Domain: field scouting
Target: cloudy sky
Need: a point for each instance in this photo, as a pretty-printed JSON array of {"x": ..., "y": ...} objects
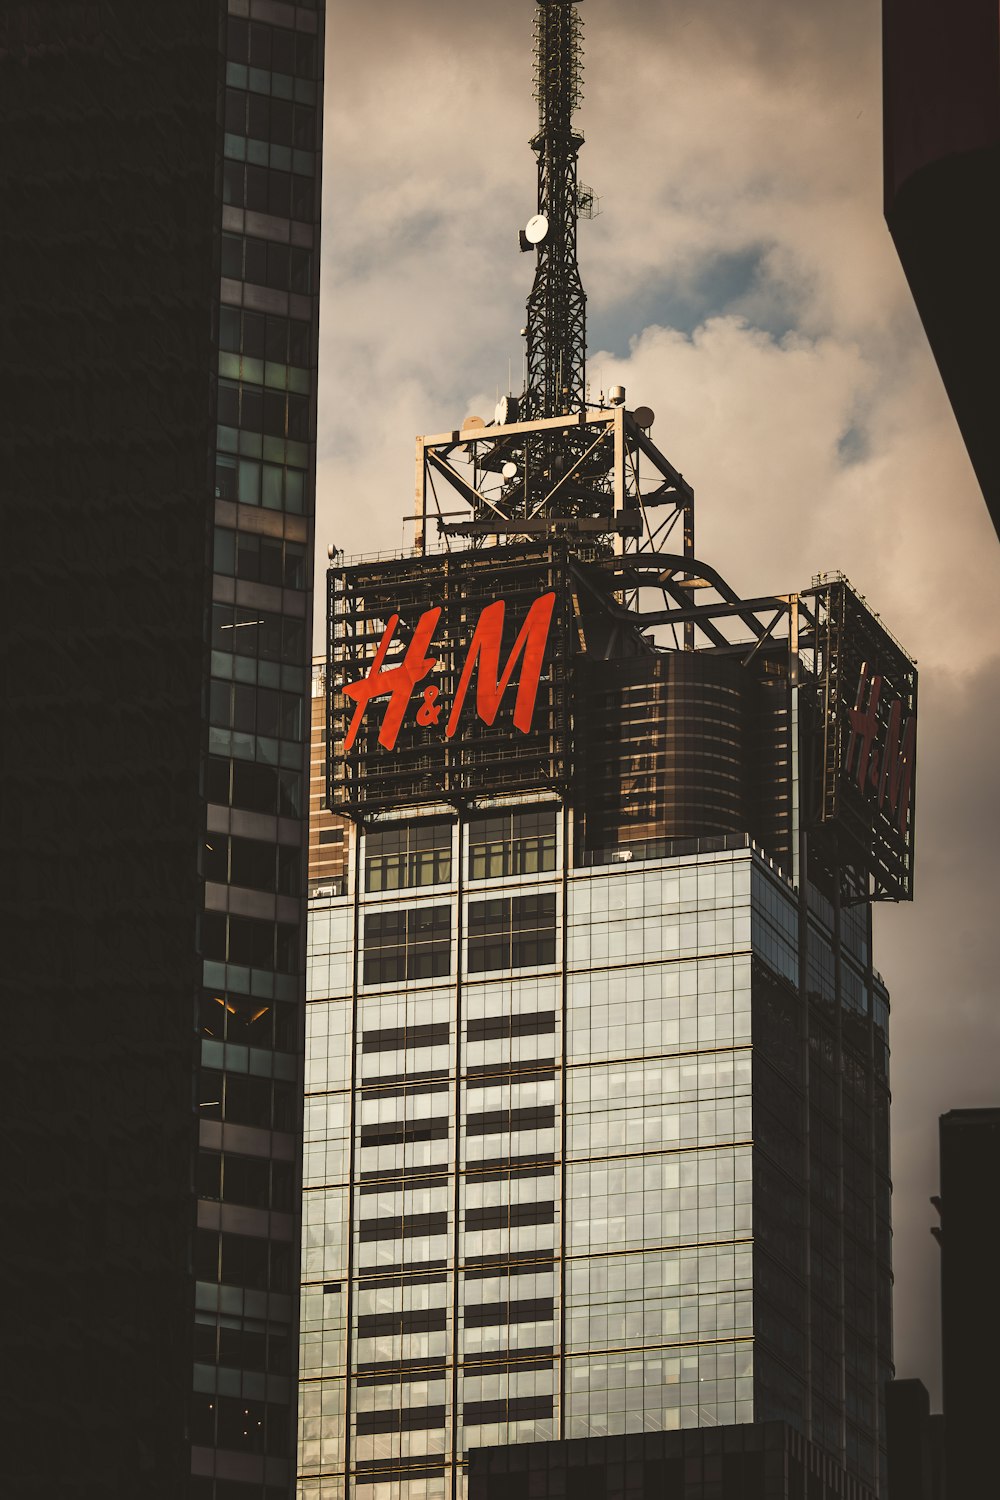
[{"x": 742, "y": 283}]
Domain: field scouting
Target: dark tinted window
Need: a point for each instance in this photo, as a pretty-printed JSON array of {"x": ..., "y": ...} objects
[
  {"x": 517, "y": 843},
  {"x": 243, "y": 1099},
  {"x": 407, "y": 854},
  {"x": 413, "y": 944},
  {"x": 258, "y": 788},
  {"x": 512, "y": 932}
]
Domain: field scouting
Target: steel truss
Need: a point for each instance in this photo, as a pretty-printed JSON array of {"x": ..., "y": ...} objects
[
  {"x": 858, "y": 828},
  {"x": 597, "y": 478},
  {"x": 828, "y": 645},
  {"x": 556, "y": 336}
]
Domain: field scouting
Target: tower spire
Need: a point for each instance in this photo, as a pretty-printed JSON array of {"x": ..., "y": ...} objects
[
  {"x": 554, "y": 463},
  {"x": 556, "y": 328}
]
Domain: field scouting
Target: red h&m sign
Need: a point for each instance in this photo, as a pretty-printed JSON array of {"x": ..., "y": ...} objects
[
  {"x": 884, "y": 765},
  {"x": 483, "y": 656}
]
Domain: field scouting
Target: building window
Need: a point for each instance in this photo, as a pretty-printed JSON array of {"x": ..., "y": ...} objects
[
  {"x": 259, "y": 559},
  {"x": 514, "y": 1409},
  {"x": 252, "y": 864},
  {"x": 512, "y": 932},
  {"x": 405, "y": 1419},
  {"x": 516, "y": 843},
  {"x": 248, "y": 1020},
  {"x": 241, "y": 1425},
  {"x": 242, "y": 1099},
  {"x": 396, "y": 1038},
  {"x": 258, "y": 788},
  {"x": 399, "y": 1227},
  {"x": 271, "y": 49},
  {"x": 255, "y": 710},
  {"x": 502, "y": 1028},
  {"x": 408, "y": 854},
  {"x": 250, "y": 942},
  {"x": 242, "y": 1260},
  {"x": 259, "y": 338},
  {"x": 253, "y": 1181},
  {"x": 246, "y": 1345},
  {"x": 240, "y": 631},
  {"x": 281, "y": 267},
  {"x": 394, "y": 1324},
  {"x": 414, "y": 944}
]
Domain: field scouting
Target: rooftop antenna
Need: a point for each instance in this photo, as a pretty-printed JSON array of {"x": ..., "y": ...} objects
[
  {"x": 551, "y": 464},
  {"x": 557, "y": 306}
]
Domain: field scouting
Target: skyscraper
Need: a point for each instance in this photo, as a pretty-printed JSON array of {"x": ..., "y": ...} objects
[
  {"x": 158, "y": 447},
  {"x": 970, "y": 1302},
  {"x": 941, "y": 91},
  {"x": 915, "y": 1442},
  {"x": 764, "y": 1460},
  {"x": 597, "y": 1098},
  {"x": 597, "y": 1131}
]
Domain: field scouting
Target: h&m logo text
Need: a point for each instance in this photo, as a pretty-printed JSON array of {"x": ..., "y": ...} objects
[
  {"x": 483, "y": 657},
  {"x": 884, "y": 769}
]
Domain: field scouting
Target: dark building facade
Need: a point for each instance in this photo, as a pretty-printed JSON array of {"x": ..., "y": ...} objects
[
  {"x": 970, "y": 1296},
  {"x": 762, "y": 1461},
  {"x": 915, "y": 1443},
  {"x": 157, "y": 442},
  {"x": 942, "y": 160}
]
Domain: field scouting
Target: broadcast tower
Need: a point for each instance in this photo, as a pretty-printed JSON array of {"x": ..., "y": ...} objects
[{"x": 597, "y": 1097}]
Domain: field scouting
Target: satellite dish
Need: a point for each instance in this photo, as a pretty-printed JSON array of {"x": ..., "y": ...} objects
[
  {"x": 472, "y": 422},
  {"x": 506, "y": 410},
  {"x": 644, "y": 417},
  {"x": 536, "y": 229},
  {"x": 509, "y": 471}
]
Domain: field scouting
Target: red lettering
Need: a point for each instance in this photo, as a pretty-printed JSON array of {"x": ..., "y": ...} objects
[
  {"x": 482, "y": 657},
  {"x": 864, "y": 726},
  {"x": 897, "y": 765},
  {"x": 484, "y": 653},
  {"x": 398, "y": 681},
  {"x": 885, "y": 771}
]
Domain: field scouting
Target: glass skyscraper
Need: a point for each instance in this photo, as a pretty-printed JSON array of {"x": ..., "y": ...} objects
[
  {"x": 256, "y": 777},
  {"x": 161, "y": 225},
  {"x": 581, "y": 1155},
  {"x": 596, "y": 1134},
  {"x": 597, "y": 1069}
]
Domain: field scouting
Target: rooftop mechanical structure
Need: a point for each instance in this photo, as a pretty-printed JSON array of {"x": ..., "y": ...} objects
[{"x": 560, "y": 488}]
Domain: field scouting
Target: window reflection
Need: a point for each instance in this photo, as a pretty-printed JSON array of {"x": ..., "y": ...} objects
[
  {"x": 515, "y": 843},
  {"x": 408, "y": 855}
]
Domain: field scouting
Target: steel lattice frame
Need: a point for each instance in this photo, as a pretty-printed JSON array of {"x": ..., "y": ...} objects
[
  {"x": 557, "y": 316},
  {"x": 615, "y": 490},
  {"x": 855, "y": 828}
]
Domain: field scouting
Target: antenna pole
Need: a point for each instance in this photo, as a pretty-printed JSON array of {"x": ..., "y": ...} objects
[
  {"x": 556, "y": 337},
  {"x": 552, "y": 466}
]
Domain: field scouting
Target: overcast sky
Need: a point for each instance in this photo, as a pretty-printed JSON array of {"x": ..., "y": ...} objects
[{"x": 742, "y": 283}]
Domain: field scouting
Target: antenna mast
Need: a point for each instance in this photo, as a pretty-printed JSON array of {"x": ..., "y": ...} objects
[
  {"x": 556, "y": 336},
  {"x": 553, "y": 463}
]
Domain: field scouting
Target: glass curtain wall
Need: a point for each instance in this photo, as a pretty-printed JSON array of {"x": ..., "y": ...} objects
[
  {"x": 256, "y": 787},
  {"x": 558, "y": 1178},
  {"x": 529, "y": 1167}
]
